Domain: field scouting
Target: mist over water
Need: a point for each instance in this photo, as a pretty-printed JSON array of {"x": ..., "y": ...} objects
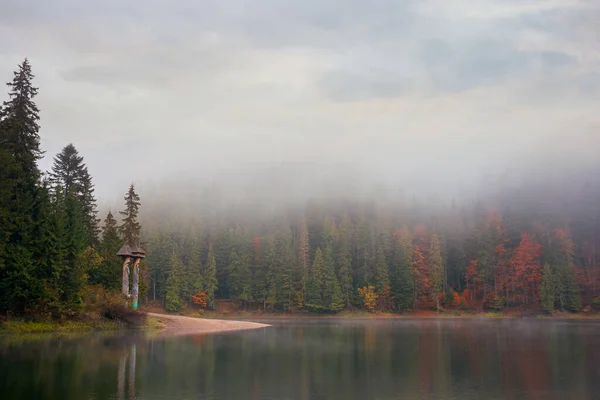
[{"x": 317, "y": 359}]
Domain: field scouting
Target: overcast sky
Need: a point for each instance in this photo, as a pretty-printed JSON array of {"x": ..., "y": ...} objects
[{"x": 427, "y": 90}]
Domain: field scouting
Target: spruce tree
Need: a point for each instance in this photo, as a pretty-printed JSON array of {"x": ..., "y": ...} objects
[
  {"x": 173, "y": 285},
  {"x": 240, "y": 277},
  {"x": 345, "y": 260},
  {"x": 314, "y": 297},
  {"x": 66, "y": 169},
  {"x": 436, "y": 270},
  {"x": 381, "y": 274},
  {"x": 71, "y": 174},
  {"x": 285, "y": 275},
  {"x": 19, "y": 122},
  {"x": 402, "y": 280},
  {"x": 130, "y": 228},
  {"x": 270, "y": 266},
  {"x": 193, "y": 270},
  {"x": 108, "y": 274},
  {"x": 333, "y": 299},
  {"x": 548, "y": 289},
  {"x": 20, "y": 287},
  {"x": 303, "y": 257},
  {"x": 210, "y": 278}
]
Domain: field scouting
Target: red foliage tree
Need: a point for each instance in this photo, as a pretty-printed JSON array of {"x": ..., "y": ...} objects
[{"x": 525, "y": 263}]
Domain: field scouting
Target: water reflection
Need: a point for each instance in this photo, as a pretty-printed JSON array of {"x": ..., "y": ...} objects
[{"x": 328, "y": 359}]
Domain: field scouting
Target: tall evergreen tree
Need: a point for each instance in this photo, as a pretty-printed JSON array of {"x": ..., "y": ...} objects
[
  {"x": 344, "y": 256},
  {"x": 381, "y": 274},
  {"x": 303, "y": 257},
  {"x": 71, "y": 174},
  {"x": 173, "y": 300},
  {"x": 67, "y": 168},
  {"x": 130, "y": 228},
  {"x": 108, "y": 274},
  {"x": 20, "y": 287},
  {"x": 548, "y": 289},
  {"x": 19, "y": 118},
  {"x": 436, "y": 269},
  {"x": 332, "y": 297},
  {"x": 314, "y": 299},
  {"x": 402, "y": 280},
  {"x": 210, "y": 278},
  {"x": 240, "y": 277}
]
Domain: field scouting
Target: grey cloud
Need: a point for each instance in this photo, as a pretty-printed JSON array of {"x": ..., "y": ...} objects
[{"x": 219, "y": 85}]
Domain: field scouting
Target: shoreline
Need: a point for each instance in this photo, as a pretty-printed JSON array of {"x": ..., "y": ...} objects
[{"x": 178, "y": 325}]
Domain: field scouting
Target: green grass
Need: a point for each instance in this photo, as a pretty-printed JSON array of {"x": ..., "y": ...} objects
[{"x": 20, "y": 326}]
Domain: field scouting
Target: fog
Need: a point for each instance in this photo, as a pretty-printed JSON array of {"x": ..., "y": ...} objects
[{"x": 291, "y": 99}]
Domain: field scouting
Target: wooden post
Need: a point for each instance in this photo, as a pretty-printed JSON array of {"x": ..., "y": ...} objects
[
  {"x": 125, "y": 285},
  {"x": 135, "y": 282}
]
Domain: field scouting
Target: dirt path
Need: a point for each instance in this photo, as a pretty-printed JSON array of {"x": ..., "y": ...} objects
[{"x": 176, "y": 325}]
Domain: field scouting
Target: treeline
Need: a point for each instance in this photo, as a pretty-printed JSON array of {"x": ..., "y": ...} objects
[
  {"x": 52, "y": 252},
  {"x": 332, "y": 255}
]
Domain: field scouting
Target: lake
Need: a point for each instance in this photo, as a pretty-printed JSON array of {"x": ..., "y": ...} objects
[{"x": 316, "y": 359}]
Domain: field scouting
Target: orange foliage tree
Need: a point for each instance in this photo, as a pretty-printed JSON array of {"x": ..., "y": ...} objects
[
  {"x": 369, "y": 296},
  {"x": 200, "y": 299},
  {"x": 525, "y": 263}
]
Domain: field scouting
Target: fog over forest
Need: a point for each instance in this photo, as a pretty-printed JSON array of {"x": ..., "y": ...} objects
[
  {"x": 296, "y": 155},
  {"x": 428, "y": 96}
]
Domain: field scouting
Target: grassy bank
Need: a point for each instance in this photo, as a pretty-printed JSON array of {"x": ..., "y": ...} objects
[{"x": 100, "y": 311}]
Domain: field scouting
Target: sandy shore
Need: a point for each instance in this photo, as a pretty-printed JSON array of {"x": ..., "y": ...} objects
[{"x": 176, "y": 325}]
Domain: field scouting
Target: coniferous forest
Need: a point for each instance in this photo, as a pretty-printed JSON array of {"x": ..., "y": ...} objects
[{"x": 533, "y": 246}]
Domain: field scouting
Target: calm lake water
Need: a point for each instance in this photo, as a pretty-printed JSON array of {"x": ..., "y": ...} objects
[{"x": 309, "y": 359}]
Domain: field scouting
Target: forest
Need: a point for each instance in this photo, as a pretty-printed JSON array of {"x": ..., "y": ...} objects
[{"x": 527, "y": 246}]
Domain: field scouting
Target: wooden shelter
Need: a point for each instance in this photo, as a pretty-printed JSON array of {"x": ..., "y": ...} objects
[{"x": 128, "y": 253}]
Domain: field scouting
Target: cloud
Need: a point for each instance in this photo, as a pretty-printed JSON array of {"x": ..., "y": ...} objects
[{"x": 420, "y": 90}]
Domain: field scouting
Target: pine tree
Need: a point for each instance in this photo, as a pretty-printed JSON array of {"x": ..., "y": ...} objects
[
  {"x": 173, "y": 285},
  {"x": 564, "y": 271},
  {"x": 314, "y": 299},
  {"x": 20, "y": 288},
  {"x": 71, "y": 174},
  {"x": 73, "y": 277},
  {"x": 436, "y": 269},
  {"x": 130, "y": 229},
  {"x": 193, "y": 270},
  {"x": 333, "y": 299},
  {"x": 381, "y": 274},
  {"x": 285, "y": 275},
  {"x": 303, "y": 257},
  {"x": 270, "y": 265},
  {"x": 19, "y": 122},
  {"x": 89, "y": 208},
  {"x": 66, "y": 169},
  {"x": 240, "y": 277},
  {"x": 402, "y": 281},
  {"x": 345, "y": 260},
  {"x": 548, "y": 289},
  {"x": 108, "y": 274},
  {"x": 210, "y": 278}
]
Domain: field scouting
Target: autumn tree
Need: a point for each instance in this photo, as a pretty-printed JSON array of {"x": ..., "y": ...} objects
[
  {"x": 528, "y": 270},
  {"x": 369, "y": 296}
]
